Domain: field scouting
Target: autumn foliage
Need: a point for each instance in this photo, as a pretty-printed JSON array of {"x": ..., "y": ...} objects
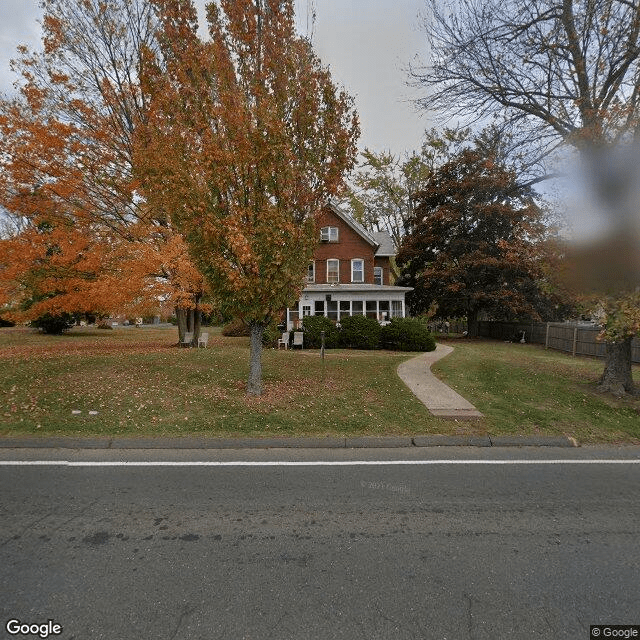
[
  {"x": 246, "y": 137},
  {"x": 475, "y": 243},
  {"x": 81, "y": 242}
]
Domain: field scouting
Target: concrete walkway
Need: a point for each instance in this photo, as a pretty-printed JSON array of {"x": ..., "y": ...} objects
[{"x": 441, "y": 400}]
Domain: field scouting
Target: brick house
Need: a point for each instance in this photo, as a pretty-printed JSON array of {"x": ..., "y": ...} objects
[{"x": 350, "y": 273}]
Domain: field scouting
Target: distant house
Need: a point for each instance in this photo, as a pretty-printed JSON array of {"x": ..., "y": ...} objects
[{"x": 350, "y": 273}]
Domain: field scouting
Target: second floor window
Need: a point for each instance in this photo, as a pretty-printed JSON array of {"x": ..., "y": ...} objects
[
  {"x": 333, "y": 270},
  {"x": 357, "y": 270},
  {"x": 311, "y": 273},
  {"x": 377, "y": 275},
  {"x": 329, "y": 234}
]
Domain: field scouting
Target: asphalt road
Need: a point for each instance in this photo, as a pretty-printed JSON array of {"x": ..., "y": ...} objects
[{"x": 449, "y": 551}]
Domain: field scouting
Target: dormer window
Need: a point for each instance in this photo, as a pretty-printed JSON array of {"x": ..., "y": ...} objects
[{"x": 329, "y": 234}]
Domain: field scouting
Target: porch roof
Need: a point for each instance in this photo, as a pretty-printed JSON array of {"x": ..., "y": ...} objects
[{"x": 354, "y": 288}]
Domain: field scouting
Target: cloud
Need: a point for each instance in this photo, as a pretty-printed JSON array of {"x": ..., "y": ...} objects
[
  {"x": 367, "y": 44},
  {"x": 19, "y": 25}
]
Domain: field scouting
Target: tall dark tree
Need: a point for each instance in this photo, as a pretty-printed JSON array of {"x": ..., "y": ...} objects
[
  {"x": 475, "y": 244},
  {"x": 560, "y": 73}
]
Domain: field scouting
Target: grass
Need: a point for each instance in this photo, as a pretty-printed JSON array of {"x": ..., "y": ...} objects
[
  {"x": 529, "y": 390},
  {"x": 135, "y": 382},
  {"x": 140, "y": 384}
]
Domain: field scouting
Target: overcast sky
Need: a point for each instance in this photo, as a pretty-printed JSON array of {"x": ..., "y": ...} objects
[{"x": 367, "y": 44}]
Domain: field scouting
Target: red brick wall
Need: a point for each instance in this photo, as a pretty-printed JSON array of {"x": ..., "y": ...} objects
[{"x": 350, "y": 245}]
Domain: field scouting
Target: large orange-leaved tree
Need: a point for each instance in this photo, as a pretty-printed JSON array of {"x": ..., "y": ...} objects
[
  {"x": 246, "y": 137},
  {"x": 66, "y": 170}
]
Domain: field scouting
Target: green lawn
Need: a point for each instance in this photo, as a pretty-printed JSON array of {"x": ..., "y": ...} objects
[
  {"x": 140, "y": 384},
  {"x": 136, "y": 382},
  {"x": 527, "y": 389}
]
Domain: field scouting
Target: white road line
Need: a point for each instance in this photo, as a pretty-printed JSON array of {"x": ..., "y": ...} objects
[{"x": 289, "y": 463}]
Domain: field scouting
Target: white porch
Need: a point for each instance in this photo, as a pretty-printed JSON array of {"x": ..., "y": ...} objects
[{"x": 337, "y": 301}]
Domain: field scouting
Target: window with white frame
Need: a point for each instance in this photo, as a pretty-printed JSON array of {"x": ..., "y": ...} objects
[
  {"x": 329, "y": 234},
  {"x": 311, "y": 273},
  {"x": 333, "y": 270},
  {"x": 396, "y": 308},
  {"x": 377, "y": 275},
  {"x": 357, "y": 270}
]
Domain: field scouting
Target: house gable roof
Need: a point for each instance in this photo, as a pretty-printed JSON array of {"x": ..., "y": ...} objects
[
  {"x": 381, "y": 241},
  {"x": 385, "y": 244},
  {"x": 356, "y": 226}
]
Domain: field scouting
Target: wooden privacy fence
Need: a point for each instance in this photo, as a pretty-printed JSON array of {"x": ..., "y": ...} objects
[{"x": 575, "y": 338}]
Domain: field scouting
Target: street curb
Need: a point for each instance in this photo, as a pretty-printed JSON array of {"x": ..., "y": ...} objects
[
  {"x": 379, "y": 442},
  {"x": 55, "y": 443},
  {"x": 364, "y": 442},
  {"x": 533, "y": 441},
  {"x": 226, "y": 443},
  {"x": 451, "y": 441}
]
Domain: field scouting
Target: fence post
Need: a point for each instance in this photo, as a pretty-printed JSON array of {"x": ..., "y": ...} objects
[
  {"x": 322, "y": 344},
  {"x": 575, "y": 340},
  {"x": 546, "y": 338}
]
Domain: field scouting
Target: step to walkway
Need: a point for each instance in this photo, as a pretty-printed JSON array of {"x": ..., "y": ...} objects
[{"x": 441, "y": 400}]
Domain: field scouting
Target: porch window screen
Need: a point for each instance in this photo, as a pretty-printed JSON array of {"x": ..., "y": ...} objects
[
  {"x": 372, "y": 309},
  {"x": 332, "y": 310},
  {"x": 383, "y": 306},
  {"x": 396, "y": 308},
  {"x": 356, "y": 308},
  {"x": 319, "y": 308}
]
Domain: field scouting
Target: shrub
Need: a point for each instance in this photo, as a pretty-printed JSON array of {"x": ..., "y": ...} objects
[
  {"x": 240, "y": 329},
  {"x": 271, "y": 335},
  {"x": 313, "y": 325},
  {"x": 104, "y": 325},
  {"x": 53, "y": 324},
  {"x": 407, "y": 334},
  {"x": 360, "y": 332},
  {"x": 6, "y": 323},
  {"x": 236, "y": 329}
]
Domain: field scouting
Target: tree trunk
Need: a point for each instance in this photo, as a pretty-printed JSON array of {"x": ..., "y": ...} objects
[
  {"x": 472, "y": 323},
  {"x": 197, "y": 321},
  {"x": 254, "y": 384},
  {"x": 617, "y": 377},
  {"x": 181, "y": 317},
  {"x": 189, "y": 320}
]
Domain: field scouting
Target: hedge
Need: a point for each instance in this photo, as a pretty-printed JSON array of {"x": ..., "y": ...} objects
[
  {"x": 360, "y": 332},
  {"x": 407, "y": 334},
  {"x": 313, "y": 326}
]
